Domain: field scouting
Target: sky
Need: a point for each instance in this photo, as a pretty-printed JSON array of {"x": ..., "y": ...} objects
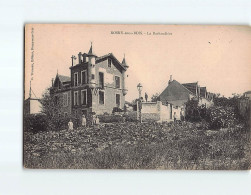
[{"x": 218, "y": 57}]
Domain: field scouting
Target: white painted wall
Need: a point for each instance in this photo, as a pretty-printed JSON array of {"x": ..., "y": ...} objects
[{"x": 35, "y": 107}]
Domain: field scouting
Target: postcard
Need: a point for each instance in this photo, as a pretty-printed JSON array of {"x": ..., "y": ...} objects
[{"x": 110, "y": 96}]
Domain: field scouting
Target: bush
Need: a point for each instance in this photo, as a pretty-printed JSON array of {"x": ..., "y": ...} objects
[
  {"x": 116, "y": 109},
  {"x": 193, "y": 110},
  {"x": 40, "y": 122},
  {"x": 220, "y": 117},
  {"x": 111, "y": 118},
  {"x": 58, "y": 123},
  {"x": 35, "y": 123},
  {"x": 131, "y": 116}
]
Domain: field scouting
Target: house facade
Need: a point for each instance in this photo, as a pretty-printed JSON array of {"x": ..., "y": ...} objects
[
  {"x": 178, "y": 94},
  {"x": 96, "y": 84},
  {"x": 32, "y": 106}
]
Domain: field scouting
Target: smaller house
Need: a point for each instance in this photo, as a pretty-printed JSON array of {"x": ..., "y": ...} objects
[
  {"x": 178, "y": 94},
  {"x": 32, "y": 106},
  {"x": 157, "y": 111}
]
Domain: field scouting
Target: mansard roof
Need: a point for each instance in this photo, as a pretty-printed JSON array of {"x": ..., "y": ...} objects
[
  {"x": 191, "y": 86},
  {"x": 63, "y": 78}
]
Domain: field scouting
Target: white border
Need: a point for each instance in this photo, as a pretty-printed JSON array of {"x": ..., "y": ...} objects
[{"x": 16, "y": 180}]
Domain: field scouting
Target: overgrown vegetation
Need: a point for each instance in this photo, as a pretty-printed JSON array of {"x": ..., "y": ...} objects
[
  {"x": 146, "y": 146},
  {"x": 223, "y": 114}
]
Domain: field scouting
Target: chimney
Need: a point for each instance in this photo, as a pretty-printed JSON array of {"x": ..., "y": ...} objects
[
  {"x": 171, "y": 79},
  {"x": 84, "y": 58},
  {"x": 79, "y": 57}
]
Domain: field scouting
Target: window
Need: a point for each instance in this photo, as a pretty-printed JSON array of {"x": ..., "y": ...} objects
[
  {"x": 101, "y": 97},
  {"x": 75, "y": 98},
  {"x": 93, "y": 76},
  {"x": 83, "y": 77},
  {"x": 75, "y": 79},
  {"x": 101, "y": 80},
  {"x": 56, "y": 100},
  {"x": 65, "y": 99},
  {"x": 84, "y": 97},
  {"x": 109, "y": 63},
  {"x": 118, "y": 100},
  {"x": 117, "y": 82}
]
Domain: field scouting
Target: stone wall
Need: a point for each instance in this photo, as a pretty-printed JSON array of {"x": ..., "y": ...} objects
[{"x": 156, "y": 111}]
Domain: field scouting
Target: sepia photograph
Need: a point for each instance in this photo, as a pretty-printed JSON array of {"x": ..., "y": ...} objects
[{"x": 120, "y": 96}]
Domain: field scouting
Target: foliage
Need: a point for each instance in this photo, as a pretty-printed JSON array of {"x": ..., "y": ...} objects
[
  {"x": 116, "y": 109},
  {"x": 193, "y": 110},
  {"x": 39, "y": 122},
  {"x": 221, "y": 117},
  {"x": 131, "y": 116},
  {"x": 226, "y": 102},
  {"x": 111, "y": 118},
  {"x": 134, "y": 102},
  {"x": 155, "y": 97},
  {"x": 51, "y": 107},
  {"x": 35, "y": 123},
  {"x": 140, "y": 146}
]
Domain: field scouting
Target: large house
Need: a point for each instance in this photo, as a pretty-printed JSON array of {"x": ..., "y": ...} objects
[
  {"x": 178, "y": 94},
  {"x": 96, "y": 84}
]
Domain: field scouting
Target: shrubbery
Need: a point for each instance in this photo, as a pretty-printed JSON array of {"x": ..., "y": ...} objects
[
  {"x": 116, "y": 109},
  {"x": 222, "y": 114},
  {"x": 140, "y": 146},
  {"x": 35, "y": 123},
  {"x": 220, "y": 117},
  {"x": 194, "y": 112},
  {"x": 111, "y": 118},
  {"x": 40, "y": 122}
]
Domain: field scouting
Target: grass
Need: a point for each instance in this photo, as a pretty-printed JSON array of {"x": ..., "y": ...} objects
[{"x": 133, "y": 145}]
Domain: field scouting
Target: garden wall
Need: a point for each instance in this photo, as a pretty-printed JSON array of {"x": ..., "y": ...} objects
[{"x": 156, "y": 111}]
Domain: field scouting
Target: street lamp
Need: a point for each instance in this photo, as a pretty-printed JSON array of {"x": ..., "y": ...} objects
[{"x": 139, "y": 87}]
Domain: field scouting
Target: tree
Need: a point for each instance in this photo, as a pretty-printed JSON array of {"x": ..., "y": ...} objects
[
  {"x": 193, "y": 110},
  {"x": 155, "y": 97},
  {"x": 51, "y": 107},
  {"x": 51, "y": 104},
  {"x": 227, "y": 102}
]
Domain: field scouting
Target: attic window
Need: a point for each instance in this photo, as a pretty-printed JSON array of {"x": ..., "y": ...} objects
[{"x": 109, "y": 63}]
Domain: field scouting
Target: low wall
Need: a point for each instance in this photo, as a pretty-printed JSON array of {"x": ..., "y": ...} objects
[
  {"x": 150, "y": 117},
  {"x": 156, "y": 111}
]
